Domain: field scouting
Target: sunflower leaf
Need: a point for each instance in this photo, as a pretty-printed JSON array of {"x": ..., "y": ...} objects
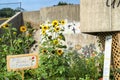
[
  {"x": 63, "y": 37},
  {"x": 62, "y": 46},
  {"x": 14, "y": 29}
]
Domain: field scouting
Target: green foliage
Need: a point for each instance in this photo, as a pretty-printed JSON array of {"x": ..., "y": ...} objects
[
  {"x": 8, "y": 12},
  {"x": 53, "y": 59},
  {"x": 80, "y": 66},
  {"x": 11, "y": 43},
  {"x": 61, "y": 3}
]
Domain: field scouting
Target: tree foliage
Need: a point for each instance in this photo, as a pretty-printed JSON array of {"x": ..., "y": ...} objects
[
  {"x": 8, "y": 12},
  {"x": 62, "y": 3}
]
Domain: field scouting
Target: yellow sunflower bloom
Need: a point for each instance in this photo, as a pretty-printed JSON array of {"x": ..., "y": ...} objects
[
  {"x": 5, "y": 25},
  {"x": 43, "y": 32},
  {"x": 44, "y": 51},
  {"x": 62, "y": 22},
  {"x": 57, "y": 29},
  {"x": 55, "y": 42},
  {"x": 55, "y": 23},
  {"x": 59, "y": 52},
  {"x": 23, "y": 28},
  {"x": 44, "y": 27}
]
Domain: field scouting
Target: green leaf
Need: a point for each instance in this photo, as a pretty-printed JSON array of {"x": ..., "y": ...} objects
[
  {"x": 62, "y": 46},
  {"x": 14, "y": 29},
  {"x": 11, "y": 49},
  {"x": 55, "y": 61}
]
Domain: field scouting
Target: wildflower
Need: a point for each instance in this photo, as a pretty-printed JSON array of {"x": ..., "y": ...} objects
[
  {"x": 5, "y": 25},
  {"x": 55, "y": 42},
  {"x": 59, "y": 52},
  {"x": 44, "y": 51},
  {"x": 43, "y": 32},
  {"x": 49, "y": 37},
  {"x": 57, "y": 29},
  {"x": 55, "y": 23},
  {"x": 41, "y": 26},
  {"x": 44, "y": 27},
  {"x": 62, "y": 22},
  {"x": 23, "y": 28}
]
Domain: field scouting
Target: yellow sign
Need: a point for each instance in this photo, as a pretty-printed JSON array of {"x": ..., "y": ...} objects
[{"x": 22, "y": 62}]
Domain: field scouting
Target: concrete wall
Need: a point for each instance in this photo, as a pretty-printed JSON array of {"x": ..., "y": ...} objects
[
  {"x": 74, "y": 38},
  {"x": 33, "y": 17},
  {"x": 16, "y": 20},
  {"x": 1, "y": 21},
  {"x": 100, "y": 15},
  {"x": 69, "y": 12}
]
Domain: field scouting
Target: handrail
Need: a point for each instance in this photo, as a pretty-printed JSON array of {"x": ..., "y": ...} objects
[{"x": 7, "y": 21}]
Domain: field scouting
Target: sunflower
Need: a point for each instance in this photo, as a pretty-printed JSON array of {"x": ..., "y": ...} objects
[
  {"x": 62, "y": 22},
  {"x": 50, "y": 37},
  {"x": 5, "y": 25},
  {"x": 55, "y": 23},
  {"x": 57, "y": 29},
  {"x": 59, "y": 52},
  {"x": 44, "y": 51},
  {"x": 43, "y": 32},
  {"x": 23, "y": 28},
  {"x": 55, "y": 42},
  {"x": 44, "y": 27}
]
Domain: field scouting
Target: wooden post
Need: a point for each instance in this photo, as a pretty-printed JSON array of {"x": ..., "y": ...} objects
[{"x": 22, "y": 74}]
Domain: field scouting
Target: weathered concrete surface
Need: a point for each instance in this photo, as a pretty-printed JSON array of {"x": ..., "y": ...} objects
[
  {"x": 96, "y": 16},
  {"x": 70, "y": 12},
  {"x": 16, "y": 20},
  {"x": 33, "y": 17},
  {"x": 1, "y": 21}
]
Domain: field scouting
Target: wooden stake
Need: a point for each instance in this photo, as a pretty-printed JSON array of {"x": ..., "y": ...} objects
[{"x": 22, "y": 74}]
